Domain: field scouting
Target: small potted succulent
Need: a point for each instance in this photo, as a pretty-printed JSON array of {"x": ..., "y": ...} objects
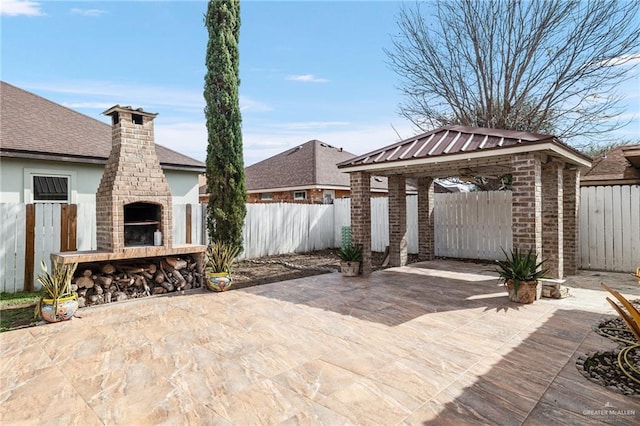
[
  {"x": 350, "y": 258},
  {"x": 220, "y": 258},
  {"x": 520, "y": 273},
  {"x": 57, "y": 301}
]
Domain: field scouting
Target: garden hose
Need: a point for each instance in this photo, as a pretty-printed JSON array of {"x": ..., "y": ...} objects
[{"x": 623, "y": 355}]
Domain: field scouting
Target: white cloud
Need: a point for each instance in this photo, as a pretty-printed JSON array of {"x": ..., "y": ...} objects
[
  {"x": 187, "y": 138},
  {"x": 105, "y": 92},
  {"x": 262, "y": 143},
  {"x": 88, "y": 105},
  {"x": 190, "y": 138},
  {"x": 99, "y": 94},
  {"x": 307, "y": 78},
  {"x": 18, "y": 7},
  {"x": 309, "y": 125},
  {"x": 632, "y": 59},
  {"x": 88, "y": 12},
  {"x": 249, "y": 104}
]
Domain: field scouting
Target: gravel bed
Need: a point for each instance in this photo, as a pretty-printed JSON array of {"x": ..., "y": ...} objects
[{"x": 603, "y": 367}]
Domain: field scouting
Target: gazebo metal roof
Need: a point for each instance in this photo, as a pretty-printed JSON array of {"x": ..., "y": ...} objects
[{"x": 449, "y": 148}]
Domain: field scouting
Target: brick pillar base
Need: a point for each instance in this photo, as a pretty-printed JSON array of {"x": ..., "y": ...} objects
[
  {"x": 397, "y": 221},
  {"x": 361, "y": 216},
  {"x": 426, "y": 247}
]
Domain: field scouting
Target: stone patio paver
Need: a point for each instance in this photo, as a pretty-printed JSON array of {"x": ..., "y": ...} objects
[{"x": 435, "y": 342}]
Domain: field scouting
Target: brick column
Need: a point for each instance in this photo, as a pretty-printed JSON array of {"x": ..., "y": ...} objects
[
  {"x": 552, "y": 222},
  {"x": 526, "y": 206},
  {"x": 397, "y": 221},
  {"x": 571, "y": 207},
  {"x": 361, "y": 216},
  {"x": 426, "y": 247}
]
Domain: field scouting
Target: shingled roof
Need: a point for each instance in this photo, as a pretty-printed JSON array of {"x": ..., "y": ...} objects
[
  {"x": 34, "y": 127},
  {"x": 615, "y": 167},
  {"x": 451, "y": 143},
  {"x": 311, "y": 164}
]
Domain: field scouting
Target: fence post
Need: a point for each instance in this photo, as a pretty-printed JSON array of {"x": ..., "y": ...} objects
[
  {"x": 188, "y": 225},
  {"x": 29, "y": 246},
  {"x": 69, "y": 227}
]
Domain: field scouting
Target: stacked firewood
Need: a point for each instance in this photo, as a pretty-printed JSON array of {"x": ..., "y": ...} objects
[{"x": 96, "y": 284}]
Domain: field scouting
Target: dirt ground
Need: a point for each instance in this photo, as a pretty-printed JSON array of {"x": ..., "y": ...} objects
[{"x": 291, "y": 266}]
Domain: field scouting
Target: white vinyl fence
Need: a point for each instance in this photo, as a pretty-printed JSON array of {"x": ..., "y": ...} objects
[{"x": 610, "y": 227}]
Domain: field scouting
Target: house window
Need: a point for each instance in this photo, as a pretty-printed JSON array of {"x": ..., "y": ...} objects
[
  {"x": 50, "y": 188},
  {"x": 266, "y": 196},
  {"x": 300, "y": 195}
]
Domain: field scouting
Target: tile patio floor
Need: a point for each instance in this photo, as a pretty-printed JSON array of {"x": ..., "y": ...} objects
[{"x": 431, "y": 343}]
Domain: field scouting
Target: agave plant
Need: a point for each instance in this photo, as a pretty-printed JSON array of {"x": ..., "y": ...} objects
[
  {"x": 350, "y": 253},
  {"x": 55, "y": 284},
  {"x": 520, "y": 267},
  {"x": 220, "y": 257}
]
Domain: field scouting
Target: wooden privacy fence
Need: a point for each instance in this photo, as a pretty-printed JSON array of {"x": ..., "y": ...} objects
[
  {"x": 31, "y": 232},
  {"x": 610, "y": 227},
  {"x": 473, "y": 225},
  {"x": 287, "y": 228}
]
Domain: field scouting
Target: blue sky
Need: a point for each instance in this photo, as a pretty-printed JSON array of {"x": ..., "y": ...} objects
[{"x": 309, "y": 70}]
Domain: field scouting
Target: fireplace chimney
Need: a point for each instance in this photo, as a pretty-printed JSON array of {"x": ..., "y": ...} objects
[{"x": 134, "y": 200}]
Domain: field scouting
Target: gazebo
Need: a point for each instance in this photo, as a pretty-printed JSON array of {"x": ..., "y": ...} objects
[{"x": 545, "y": 188}]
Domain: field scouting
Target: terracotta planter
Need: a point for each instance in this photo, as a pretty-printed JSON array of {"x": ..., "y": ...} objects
[
  {"x": 67, "y": 306},
  {"x": 528, "y": 291},
  {"x": 218, "y": 281},
  {"x": 350, "y": 269}
]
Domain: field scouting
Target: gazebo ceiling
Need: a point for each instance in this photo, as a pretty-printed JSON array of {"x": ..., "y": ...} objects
[{"x": 461, "y": 150}]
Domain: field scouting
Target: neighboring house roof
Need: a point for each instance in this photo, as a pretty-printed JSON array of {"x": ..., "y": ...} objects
[
  {"x": 456, "y": 142},
  {"x": 620, "y": 166},
  {"x": 34, "y": 127},
  {"x": 312, "y": 164}
]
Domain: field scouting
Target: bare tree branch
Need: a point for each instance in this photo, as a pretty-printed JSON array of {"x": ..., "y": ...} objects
[{"x": 544, "y": 66}]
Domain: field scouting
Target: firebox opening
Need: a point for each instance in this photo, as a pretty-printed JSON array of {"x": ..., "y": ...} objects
[
  {"x": 137, "y": 118},
  {"x": 141, "y": 220}
]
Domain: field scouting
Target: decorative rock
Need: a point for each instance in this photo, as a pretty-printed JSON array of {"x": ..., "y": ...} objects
[
  {"x": 98, "y": 290},
  {"x": 82, "y": 302}
]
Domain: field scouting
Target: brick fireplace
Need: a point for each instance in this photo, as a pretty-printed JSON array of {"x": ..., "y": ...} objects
[
  {"x": 133, "y": 199},
  {"x": 134, "y": 206}
]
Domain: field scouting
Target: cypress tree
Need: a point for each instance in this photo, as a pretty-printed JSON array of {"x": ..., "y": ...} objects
[{"x": 225, "y": 166}]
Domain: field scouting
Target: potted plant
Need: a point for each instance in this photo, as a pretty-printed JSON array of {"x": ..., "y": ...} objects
[
  {"x": 350, "y": 258},
  {"x": 219, "y": 262},
  {"x": 57, "y": 301},
  {"x": 520, "y": 272}
]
